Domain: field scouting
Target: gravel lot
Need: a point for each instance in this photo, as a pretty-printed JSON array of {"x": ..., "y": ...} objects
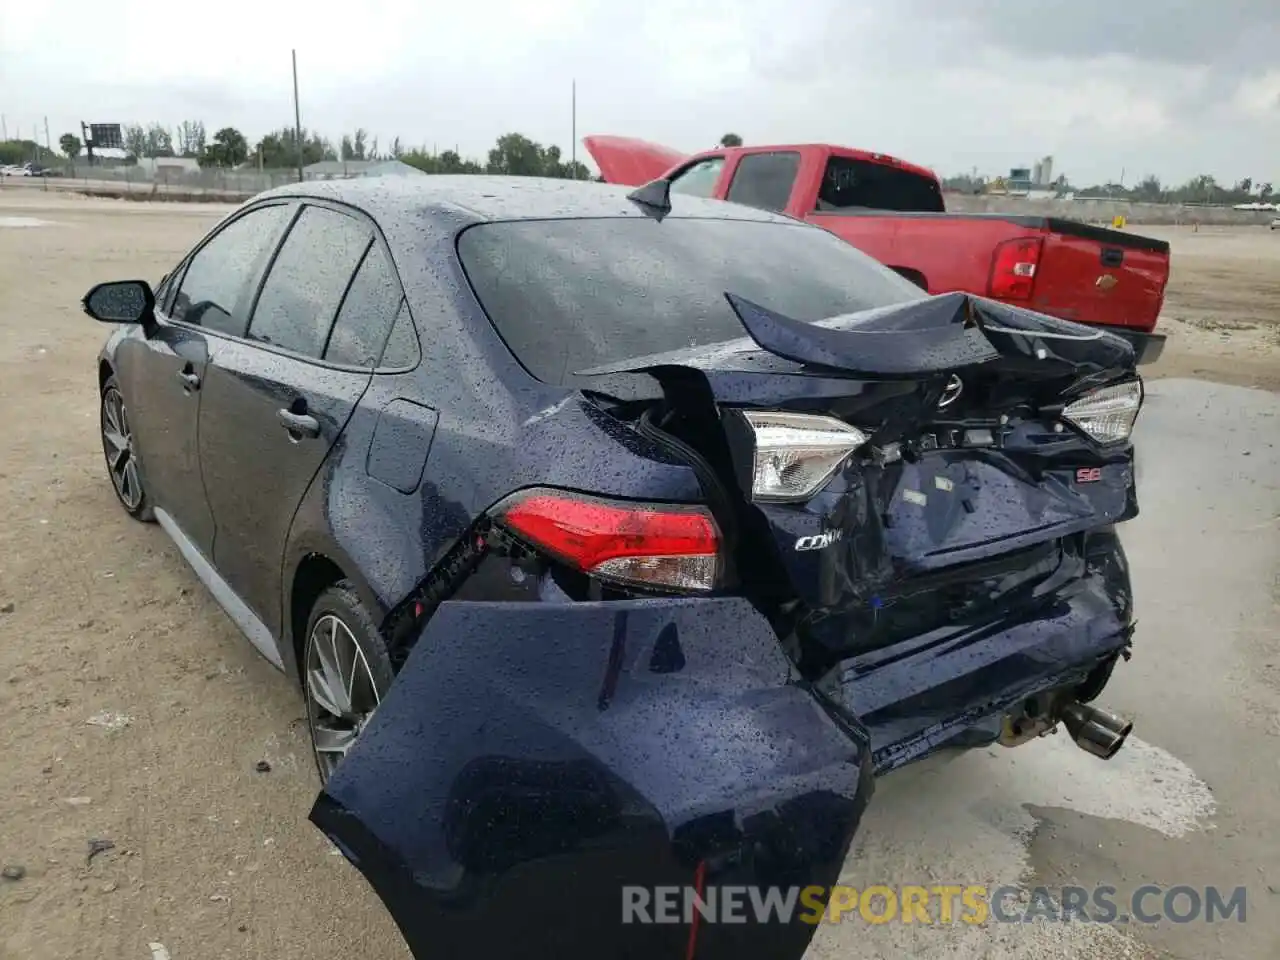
[{"x": 134, "y": 712}]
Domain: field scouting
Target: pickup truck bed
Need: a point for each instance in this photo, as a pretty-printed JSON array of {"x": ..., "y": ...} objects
[{"x": 894, "y": 211}]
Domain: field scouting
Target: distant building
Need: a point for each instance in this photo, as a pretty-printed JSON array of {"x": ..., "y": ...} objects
[
  {"x": 160, "y": 168},
  {"x": 100, "y": 154},
  {"x": 1019, "y": 180},
  {"x": 1046, "y": 172},
  {"x": 345, "y": 169}
]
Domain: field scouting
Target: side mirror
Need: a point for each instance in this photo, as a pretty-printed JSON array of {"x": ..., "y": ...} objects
[{"x": 121, "y": 301}]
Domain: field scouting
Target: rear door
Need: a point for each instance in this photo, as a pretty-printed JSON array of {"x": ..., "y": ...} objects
[{"x": 277, "y": 399}]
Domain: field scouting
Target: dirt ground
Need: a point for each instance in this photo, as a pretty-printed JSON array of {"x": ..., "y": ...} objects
[
  {"x": 133, "y": 711},
  {"x": 1222, "y": 307}
]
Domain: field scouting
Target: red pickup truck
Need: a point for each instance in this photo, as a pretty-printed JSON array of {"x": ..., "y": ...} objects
[{"x": 894, "y": 211}]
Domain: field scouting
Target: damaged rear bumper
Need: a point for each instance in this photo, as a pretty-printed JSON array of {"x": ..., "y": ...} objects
[
  {"x": 534, "y": 759},
  {"x": 959, "y": 680}
]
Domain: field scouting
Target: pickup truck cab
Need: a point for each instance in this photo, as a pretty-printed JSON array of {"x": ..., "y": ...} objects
[{"x": 894, "y": 211}]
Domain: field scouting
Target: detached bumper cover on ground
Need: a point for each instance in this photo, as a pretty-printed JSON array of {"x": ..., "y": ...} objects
[{"x": 532, "y": 759}]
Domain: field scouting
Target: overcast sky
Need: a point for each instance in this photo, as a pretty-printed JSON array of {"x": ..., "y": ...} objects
[{"x": 1171, "y": 87}]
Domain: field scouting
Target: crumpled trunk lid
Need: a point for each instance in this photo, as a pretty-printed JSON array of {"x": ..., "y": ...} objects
[{"x": 968, "y": 460}]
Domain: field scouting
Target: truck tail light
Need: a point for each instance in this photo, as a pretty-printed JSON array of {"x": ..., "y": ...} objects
[
  {"x": 664, "y": 546},
  {"x": 1013, "y": 269}
]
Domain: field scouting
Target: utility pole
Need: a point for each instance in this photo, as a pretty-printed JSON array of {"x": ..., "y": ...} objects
[
  {"x": 47, "y": 146},
  {"x": 4, "y": 128},
  {"x": 297, "y": 114},
  {"x": 573, "y": 135}
]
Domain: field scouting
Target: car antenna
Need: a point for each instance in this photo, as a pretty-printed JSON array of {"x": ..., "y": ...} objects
[{"x": 654, "y": 197}]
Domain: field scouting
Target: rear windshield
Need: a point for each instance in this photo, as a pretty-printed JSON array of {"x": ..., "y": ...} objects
[
  {"x": 568, "y": 295},
  {"x": 876, "y": 186}
]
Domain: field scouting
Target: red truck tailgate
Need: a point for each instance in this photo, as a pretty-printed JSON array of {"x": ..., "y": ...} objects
[{"x": 1096, "y": 275}]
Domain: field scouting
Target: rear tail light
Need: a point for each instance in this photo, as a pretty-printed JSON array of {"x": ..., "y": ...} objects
[
  {"x": 1108, "y": 413},
  {"x": 795, "y": 454},
  {"x": 1013, "y": 270},
  {"x": 653, "y": 545}
]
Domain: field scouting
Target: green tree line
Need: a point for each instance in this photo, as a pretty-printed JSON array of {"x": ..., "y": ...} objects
[{"x": 228, "y": 148}]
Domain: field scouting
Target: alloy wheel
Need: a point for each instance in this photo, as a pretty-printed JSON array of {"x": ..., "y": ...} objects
[
  {"x": 342, "y": 694},
  {"x": 117, "y": 445}
]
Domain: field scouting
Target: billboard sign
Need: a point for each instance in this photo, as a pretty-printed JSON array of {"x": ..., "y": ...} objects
[{"x": 106, "y": 136}]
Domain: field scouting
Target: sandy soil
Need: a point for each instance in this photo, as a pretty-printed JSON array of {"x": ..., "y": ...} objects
[
  {"x": 133, "y": 711},
  {"x": 1222, "y": 307},
  {"x": 211, "y": 858}
]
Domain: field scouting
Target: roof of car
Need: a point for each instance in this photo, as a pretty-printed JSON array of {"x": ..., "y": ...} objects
[{"x": 487, "y": 198}]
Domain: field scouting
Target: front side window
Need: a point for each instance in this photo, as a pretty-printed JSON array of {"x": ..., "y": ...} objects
[
  {"x": 765, "y": 180},
  {"x": 219, "y": 272},
  {"x": 700, "y": 179},
  {"x": 305, "y": 285}
]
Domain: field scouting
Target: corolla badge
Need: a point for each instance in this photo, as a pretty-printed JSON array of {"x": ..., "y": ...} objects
[
  {"x": 820, "y": 540},
  {"x": 951, "y": 392},
  {"x": 1106, "y": 281}
]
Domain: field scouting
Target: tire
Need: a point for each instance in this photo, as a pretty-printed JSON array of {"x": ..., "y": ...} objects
[
  {"x": 120, "y": 451},
  {"x": 342, "y": 637}
]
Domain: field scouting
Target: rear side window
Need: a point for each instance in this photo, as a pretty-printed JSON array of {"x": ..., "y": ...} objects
[
  {"x": 402, "y": 346},
  {"x": 765, "y": 180},
  {"x": 877, "y": 186},
  {"x": 219, "y": 272},
  {"x": 569, "y": 295},
  {"x": 700, "y": 179},
  {"x": 367, "y": 312},
  {"x": 307, "y": 281}
]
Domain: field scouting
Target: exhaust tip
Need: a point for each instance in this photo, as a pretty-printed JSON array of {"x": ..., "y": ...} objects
[{"x": 1096, "y": 731}]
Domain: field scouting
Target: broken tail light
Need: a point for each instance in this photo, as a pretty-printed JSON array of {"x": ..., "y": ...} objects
[
  {"x": 794, "y": 455},
  {"x": 662, "y": 546},
  {"x": 1107, "y": 414},
  {"x": 1013, "y": 269}
]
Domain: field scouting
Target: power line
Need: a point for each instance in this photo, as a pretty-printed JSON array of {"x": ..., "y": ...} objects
[{"x": 297, "y": 114}]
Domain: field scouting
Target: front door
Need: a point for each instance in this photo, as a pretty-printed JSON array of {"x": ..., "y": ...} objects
[
  {"x": 167, "y": 384},
  {"x": 273, "y": 406}
]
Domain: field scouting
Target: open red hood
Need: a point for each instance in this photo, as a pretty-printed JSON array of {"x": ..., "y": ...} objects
[{"x": 631, "y": 162}]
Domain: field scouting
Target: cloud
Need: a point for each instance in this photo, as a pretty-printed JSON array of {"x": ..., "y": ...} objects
[
  {"x": 1145, "y": 86},
  {"x": 1258, "y": 98},
  {"x": 1233, "y": 34}
]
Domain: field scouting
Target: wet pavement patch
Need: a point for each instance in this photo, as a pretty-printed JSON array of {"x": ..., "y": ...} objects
[{"x": 24, "y": 222}]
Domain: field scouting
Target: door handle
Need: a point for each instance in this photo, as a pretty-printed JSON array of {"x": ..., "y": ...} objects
[
  {"x": 189, "y": 381},
  {"x": 298, "y": 424}
]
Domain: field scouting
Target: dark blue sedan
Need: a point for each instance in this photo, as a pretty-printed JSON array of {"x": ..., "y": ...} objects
[{"x": 619, "y": 541}]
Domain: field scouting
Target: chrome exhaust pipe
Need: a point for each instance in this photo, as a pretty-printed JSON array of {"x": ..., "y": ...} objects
[{"x": 1095, "y": 731}]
